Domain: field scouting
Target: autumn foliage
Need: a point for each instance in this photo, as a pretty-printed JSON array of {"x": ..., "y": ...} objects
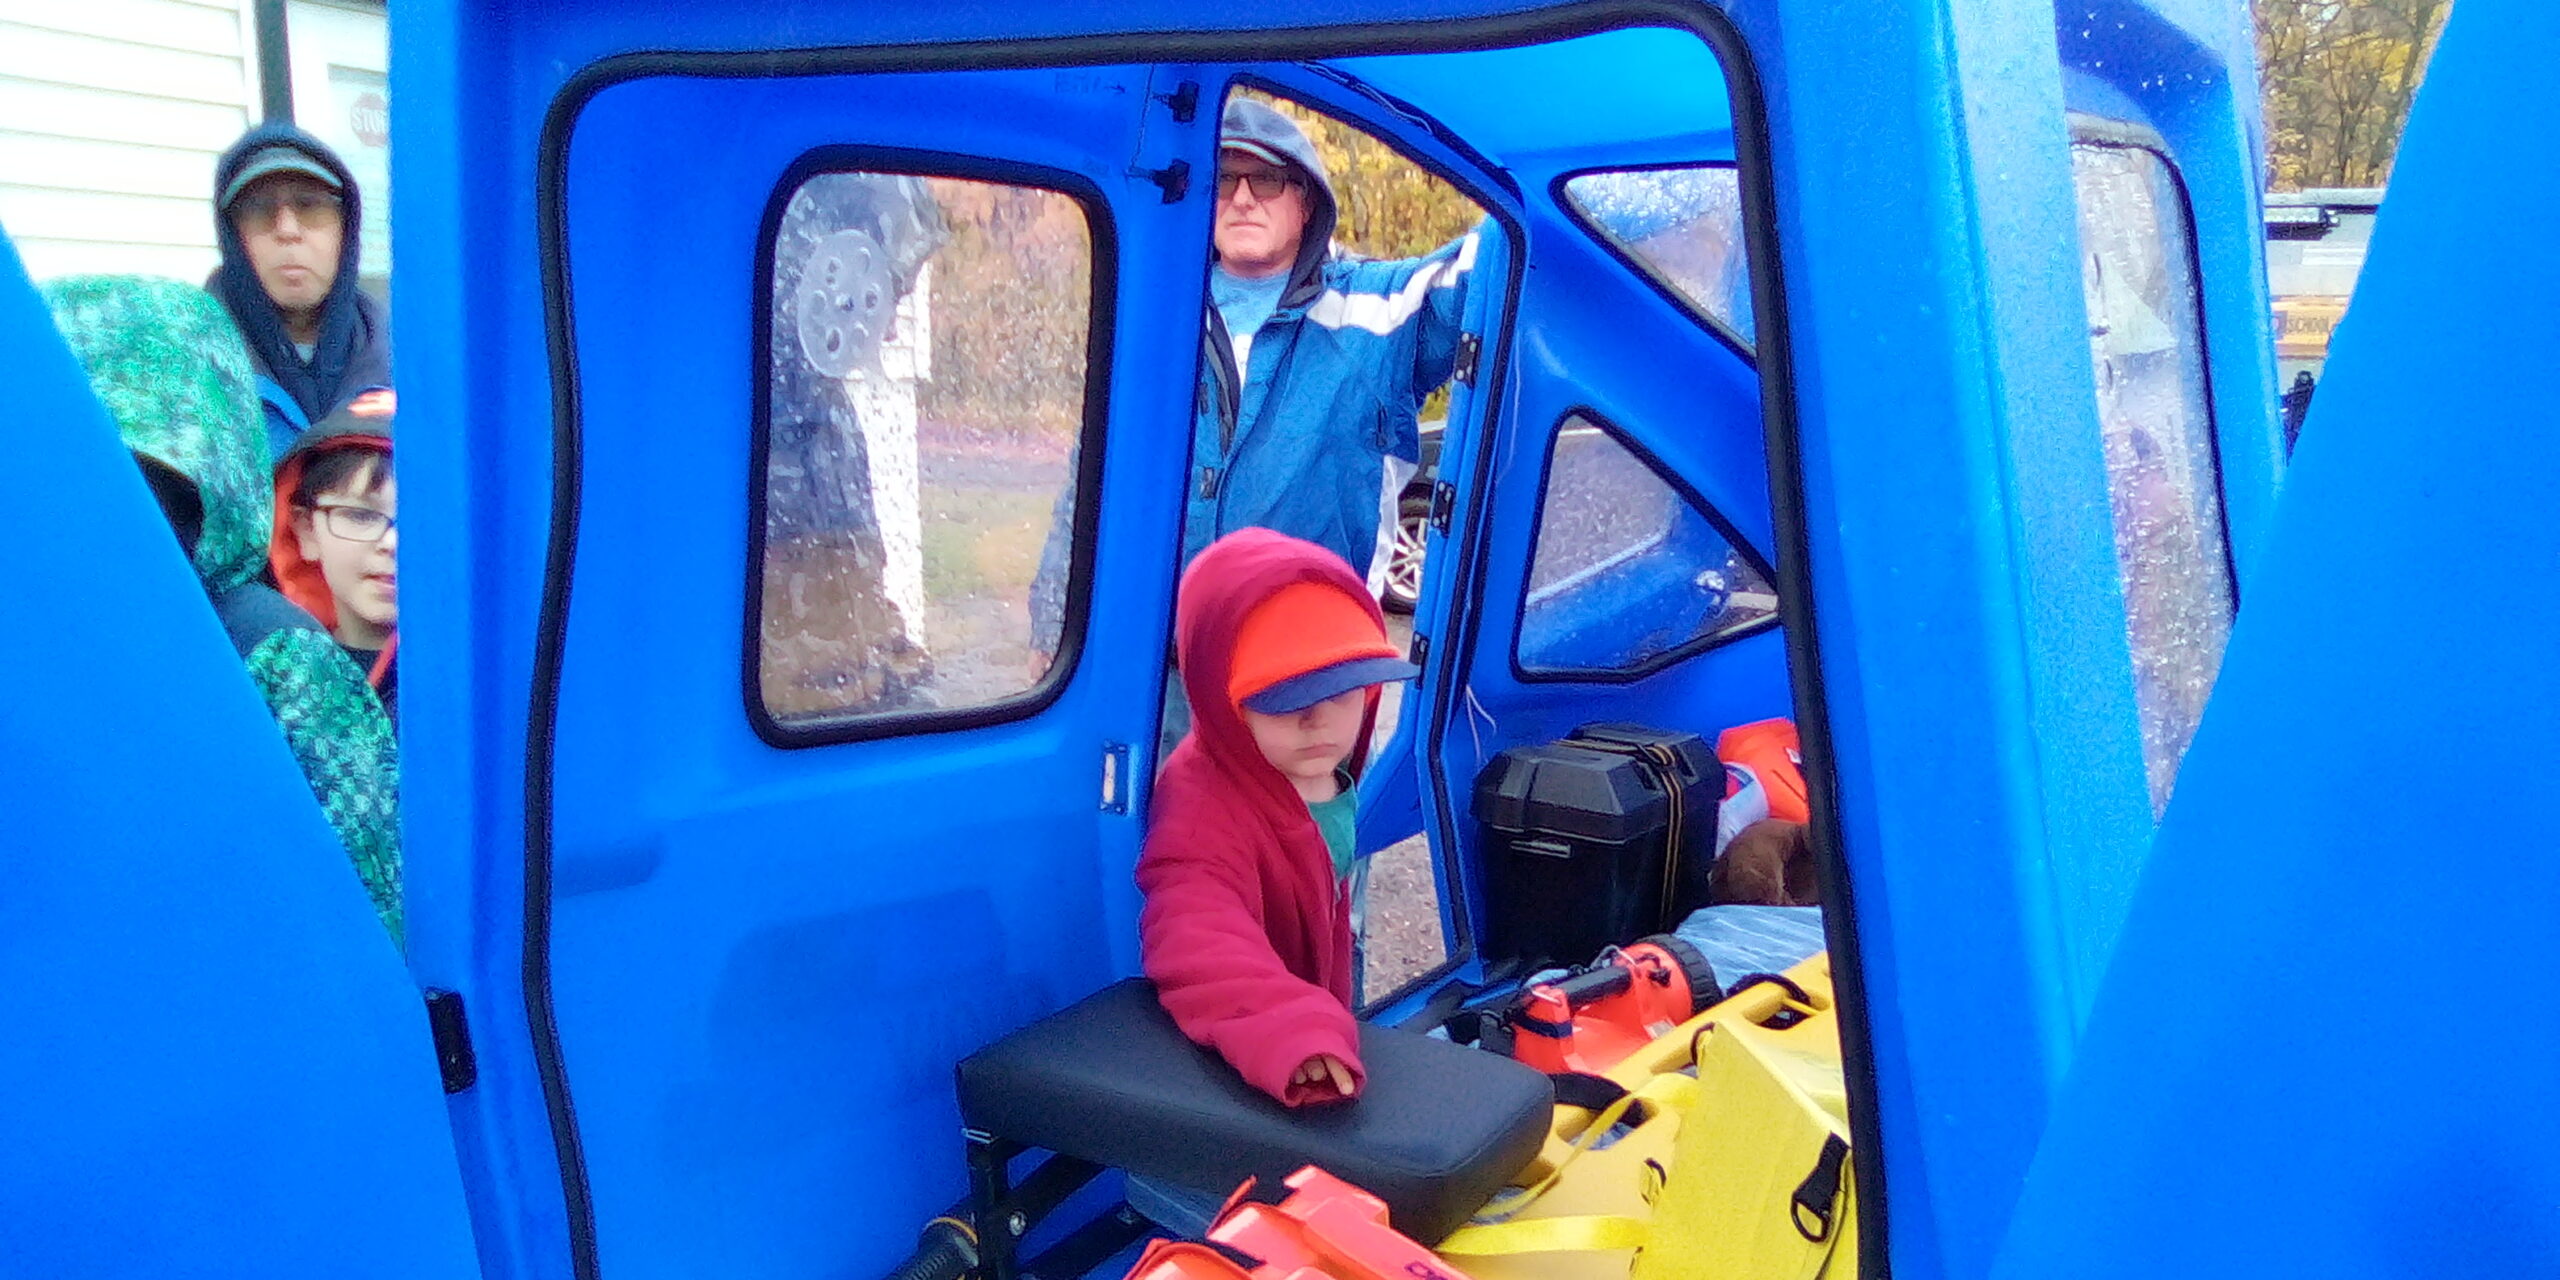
[{"x": 2337, "y": 77}]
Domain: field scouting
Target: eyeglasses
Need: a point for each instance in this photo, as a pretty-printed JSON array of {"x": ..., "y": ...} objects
[
  {"x": 354, "y": 523},
  {"x": 313, "y": 210},
  {"x": 1267, "y": 184}
]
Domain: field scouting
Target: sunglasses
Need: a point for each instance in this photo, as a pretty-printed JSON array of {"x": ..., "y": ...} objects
[
  {"x": 1267, "y": 184},
  {"x": 316, "y": 210}
]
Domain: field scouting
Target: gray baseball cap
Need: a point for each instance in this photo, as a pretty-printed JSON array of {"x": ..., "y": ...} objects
[{"x": 276, "y": 159}]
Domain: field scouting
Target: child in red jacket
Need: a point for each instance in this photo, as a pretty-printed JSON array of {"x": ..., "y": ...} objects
[
  {"x": 335, "y": 546},
  {"x": 1247, "y": 924}
]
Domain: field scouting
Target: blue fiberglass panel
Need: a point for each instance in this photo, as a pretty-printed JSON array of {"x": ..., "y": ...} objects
[
  {"x": 1645, "y": 96},
  {"x": 214, "y": 1064},
  {"x": 767, "y": 961},
  {"x": 2156, "y": 79},
  {"x": 2328, "y": 1039},
  {"x": 1923, "y": 199}
]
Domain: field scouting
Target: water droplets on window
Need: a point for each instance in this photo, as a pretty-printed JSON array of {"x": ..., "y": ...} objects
[
  {"x": 927, "y": 389},
  {"x": 1684, "y": 226},
  {"x": 2146, "y": 348},
  {"x": 1625, "y": 569}
]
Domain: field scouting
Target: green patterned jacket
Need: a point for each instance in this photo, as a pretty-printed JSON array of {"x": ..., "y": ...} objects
[{"x": 173, "y": 373}]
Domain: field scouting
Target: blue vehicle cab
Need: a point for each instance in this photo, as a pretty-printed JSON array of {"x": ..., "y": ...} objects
[{"x": 1901, "y": 369}]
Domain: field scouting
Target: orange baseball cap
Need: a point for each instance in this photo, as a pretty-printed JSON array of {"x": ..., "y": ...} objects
[{"x": 1305, "y": 643}]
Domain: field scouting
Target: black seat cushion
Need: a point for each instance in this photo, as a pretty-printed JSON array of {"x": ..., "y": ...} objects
[{"x": 1436, "y": 1130}]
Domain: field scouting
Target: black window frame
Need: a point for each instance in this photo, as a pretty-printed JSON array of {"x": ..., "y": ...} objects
[{"x": 1101, "y": 319}]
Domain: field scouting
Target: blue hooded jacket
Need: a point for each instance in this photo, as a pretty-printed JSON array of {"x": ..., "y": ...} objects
[{"x": 1298, "y": 439}]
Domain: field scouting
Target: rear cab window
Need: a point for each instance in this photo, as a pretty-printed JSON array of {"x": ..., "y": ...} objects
[
  {"x": 929, "y": 342},
  {"x": 1630, "y": 572},
  {"x": 2155, "y": 422},
  {"x": 1681, "y": 227}
]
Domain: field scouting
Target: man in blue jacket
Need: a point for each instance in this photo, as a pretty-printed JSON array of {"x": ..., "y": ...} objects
[{"x": 1314, "y": 367}]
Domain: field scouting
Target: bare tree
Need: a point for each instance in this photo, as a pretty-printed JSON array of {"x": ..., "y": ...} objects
[{"x": 2338, "y": 77}]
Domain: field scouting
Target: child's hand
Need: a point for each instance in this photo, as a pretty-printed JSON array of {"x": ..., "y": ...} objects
[{"x": 1322, "y": 1071}]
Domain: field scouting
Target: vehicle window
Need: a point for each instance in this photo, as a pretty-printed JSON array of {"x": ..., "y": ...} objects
[
  {"x": 1684, "y": 228},
  {"x": 928, "y": 364},
  {"x": 2155, "y": 419},
  {"x": 1626, "y": 568}
]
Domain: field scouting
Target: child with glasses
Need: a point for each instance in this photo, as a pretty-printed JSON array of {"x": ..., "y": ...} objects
[
  {"x": 336, "y": 547},
  {"x": 168, "y": 368}
]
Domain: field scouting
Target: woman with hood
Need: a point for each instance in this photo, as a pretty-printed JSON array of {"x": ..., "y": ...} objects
[
  {"x": 288, "y": 217},
  {"x": 169, "y": 369}
]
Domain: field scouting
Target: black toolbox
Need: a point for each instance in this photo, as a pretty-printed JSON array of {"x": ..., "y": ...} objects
[{"x": 1594, "y": 840}]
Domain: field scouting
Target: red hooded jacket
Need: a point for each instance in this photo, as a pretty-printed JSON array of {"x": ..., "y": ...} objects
[
  {"x": 1246, "y": 930},
  {"x": 365, "y": 424}
]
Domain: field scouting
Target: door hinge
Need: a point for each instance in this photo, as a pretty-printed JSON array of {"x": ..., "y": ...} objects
[
  {"x": 1174, "y": 180},
  {"x": 1444, "y": 499},
  {"x": 1183, "y": 102},
  {"x": 1420, "y": 650},
  {"x": 1470, "y": 350},
  {"x": 453, "y": 1040}
]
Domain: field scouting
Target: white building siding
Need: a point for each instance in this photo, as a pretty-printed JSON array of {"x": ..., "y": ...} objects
[{"x": 112, "y": 113}]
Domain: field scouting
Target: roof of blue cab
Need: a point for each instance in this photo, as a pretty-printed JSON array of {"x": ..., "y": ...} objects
[{"x": 1636, "y": 97}]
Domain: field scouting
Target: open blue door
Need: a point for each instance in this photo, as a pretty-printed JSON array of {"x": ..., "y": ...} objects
[
  {"x": 2008, "y": 494},
  {"x": 1606, "y": 555},
  {"x": 2004, "y": 455},
  {"x": 824, "y": 783},
  {"x": 901, "y": 819},
  {"x": 2327, "y": 1038},
  {"x": 214, "y": 1064}
]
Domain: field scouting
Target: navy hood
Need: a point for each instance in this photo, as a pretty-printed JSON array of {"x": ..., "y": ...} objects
[
  {"x": 1256, "y": 127},
  {"x": 353, "y": 352}
]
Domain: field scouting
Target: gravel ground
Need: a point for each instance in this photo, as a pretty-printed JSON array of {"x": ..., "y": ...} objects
[
  {"x": 1404, "y": 919},
  {"x": 1404, "y": 938}
]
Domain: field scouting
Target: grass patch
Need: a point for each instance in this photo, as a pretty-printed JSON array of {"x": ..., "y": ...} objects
[{"x": 981, "y": 541}]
